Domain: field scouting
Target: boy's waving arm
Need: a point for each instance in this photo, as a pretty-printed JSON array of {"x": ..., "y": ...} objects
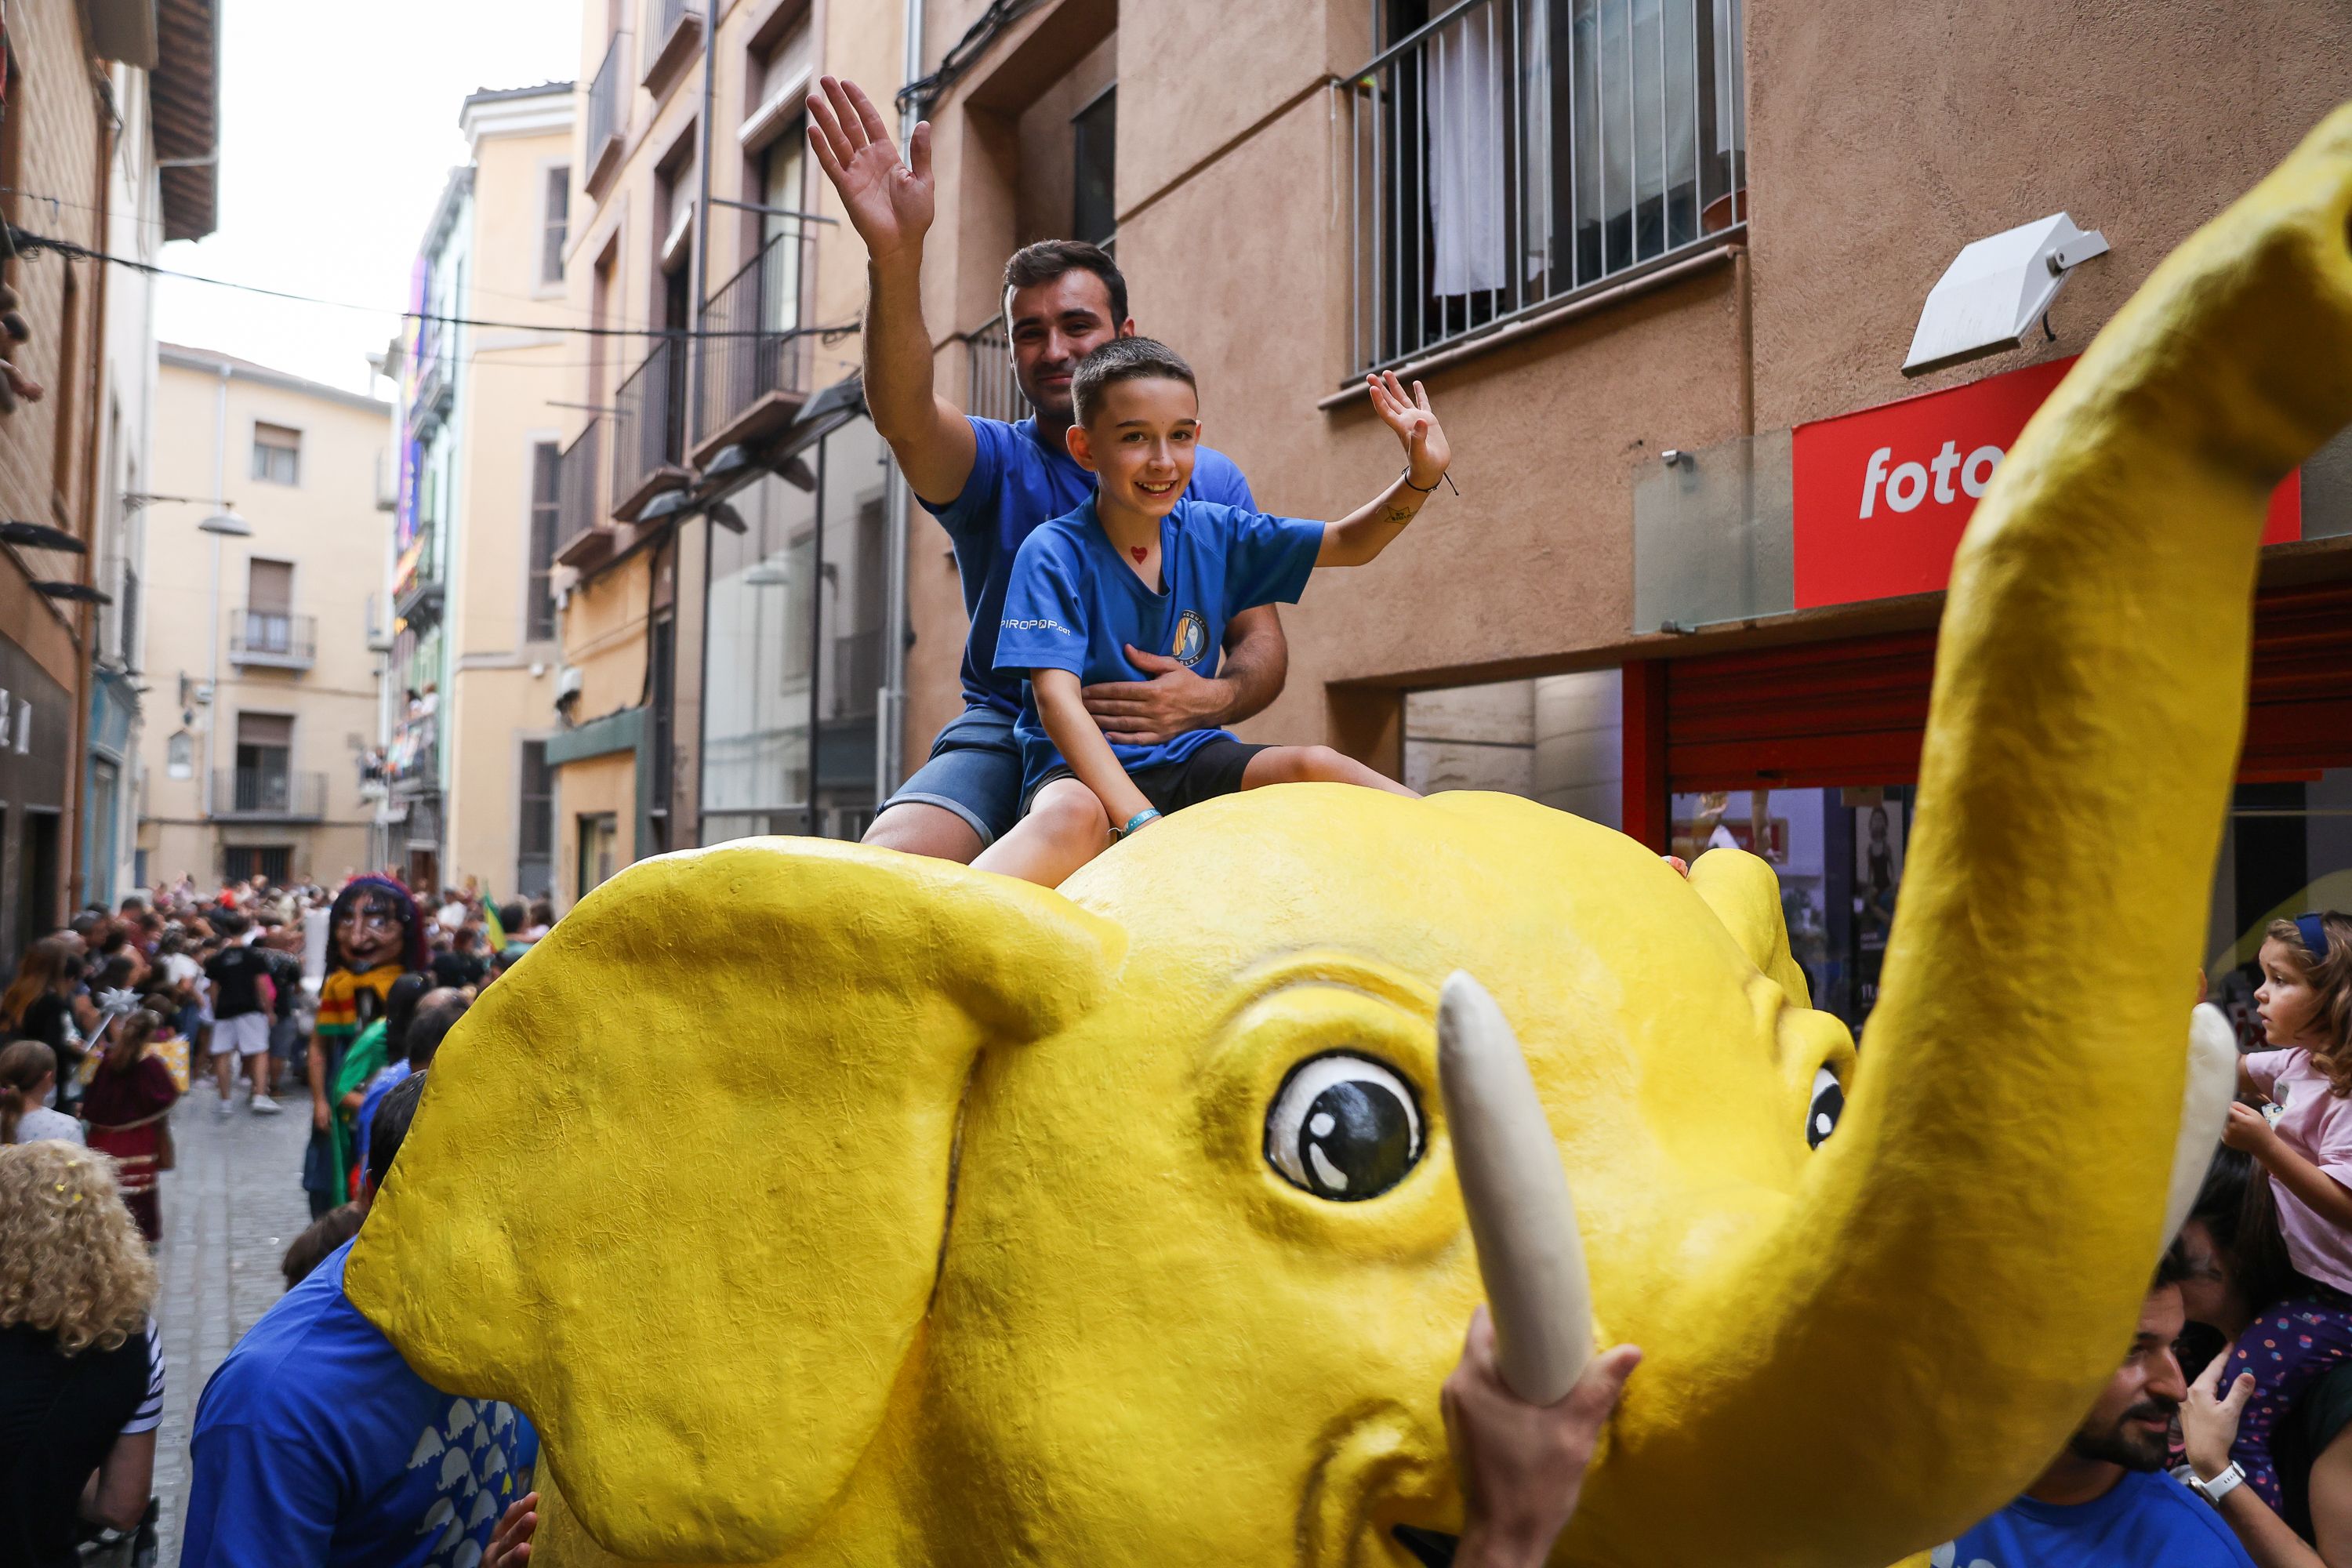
[{"x": 1364, "y": 533}]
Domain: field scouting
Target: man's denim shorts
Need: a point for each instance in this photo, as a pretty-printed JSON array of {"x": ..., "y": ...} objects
[{"x": 974, "y": 771}]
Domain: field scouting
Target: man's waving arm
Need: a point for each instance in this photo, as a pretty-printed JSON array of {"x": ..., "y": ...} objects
[{"x": 890, "y": 207}]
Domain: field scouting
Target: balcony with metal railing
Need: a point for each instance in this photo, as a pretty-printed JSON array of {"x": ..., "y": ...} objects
[
  {"x": 648, "y": 426},
  {"x": 582, "y": 535},
  {"x": 673, "y": 32},
  {"x": 269, "y": 794},
  {"x": 991, "y": 392},
  {"x": 608, "y": 110},
  {"x": 754, "y": 361},
  {"x": 273, "y": 639},
  {"x": 1513, "y": 155}
]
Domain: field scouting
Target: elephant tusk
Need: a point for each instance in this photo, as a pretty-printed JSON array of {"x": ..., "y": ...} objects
[
  {"x": 1521, "y": 1217},
  {"x": 2205, "y": 1099}
]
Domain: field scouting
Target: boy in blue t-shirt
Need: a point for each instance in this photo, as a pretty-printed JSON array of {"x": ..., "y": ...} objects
[{"x": 1139, "y": 567}]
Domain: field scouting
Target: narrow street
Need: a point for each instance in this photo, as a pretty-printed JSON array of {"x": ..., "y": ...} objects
[{"x": 230, "y": 1209}]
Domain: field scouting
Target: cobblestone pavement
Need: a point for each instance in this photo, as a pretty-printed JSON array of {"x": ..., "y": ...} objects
[{"x": 230, "y": 1209}]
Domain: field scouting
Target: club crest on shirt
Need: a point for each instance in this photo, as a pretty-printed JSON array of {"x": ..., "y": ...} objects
[{"x": 1191, "y": 638}]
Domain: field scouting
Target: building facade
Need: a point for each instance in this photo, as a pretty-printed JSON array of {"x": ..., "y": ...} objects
[
  {"x": 96, "y": 97},
  {"x": 265, "y": 545},
  {"x": 473, "y": 663},
  {"x": 722, "y": 521},
  {"x": 1659, "y": 261}
]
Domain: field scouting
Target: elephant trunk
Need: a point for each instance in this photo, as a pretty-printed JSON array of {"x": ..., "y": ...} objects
[{"x": 1963, "y": 1262}]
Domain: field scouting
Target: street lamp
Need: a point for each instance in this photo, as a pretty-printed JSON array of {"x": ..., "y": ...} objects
[{"x": 223, "y": 524}]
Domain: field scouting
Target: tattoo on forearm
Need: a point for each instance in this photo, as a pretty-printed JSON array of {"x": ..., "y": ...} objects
[{"x": 1399, "y": 515}]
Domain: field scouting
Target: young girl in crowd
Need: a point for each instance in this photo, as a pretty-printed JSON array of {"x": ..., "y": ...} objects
[
  {"x": 2306, "y": 1007},
  {"x": 129, "y": 1105},
  {"x": 28, "y": 1075}
]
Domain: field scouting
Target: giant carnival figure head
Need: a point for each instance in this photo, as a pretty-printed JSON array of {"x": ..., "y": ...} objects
[
  {"x": 1120, "y": 1224},
  {"x": 373, "y": 924}
]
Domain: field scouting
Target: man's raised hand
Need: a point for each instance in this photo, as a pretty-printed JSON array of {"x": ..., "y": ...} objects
[
  {"x": 1427, "y": 453},
  {"x": 889, "y": 202}
]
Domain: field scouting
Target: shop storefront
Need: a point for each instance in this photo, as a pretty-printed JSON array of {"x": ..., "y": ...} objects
[
  {"x": 36, "y": 767},
  {"x": 1825, "y": 550}
]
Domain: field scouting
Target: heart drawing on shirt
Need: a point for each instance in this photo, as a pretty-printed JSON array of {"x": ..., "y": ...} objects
[{"x": 1138, "y": 551}]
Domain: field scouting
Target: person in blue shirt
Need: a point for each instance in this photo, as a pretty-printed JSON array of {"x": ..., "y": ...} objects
[
  {"x": 1143, "y": 564},
  {"x": 317, "y": 1447},
  {"x": 2106, "y": 1501},
  {"x": 990, "y": 482}
]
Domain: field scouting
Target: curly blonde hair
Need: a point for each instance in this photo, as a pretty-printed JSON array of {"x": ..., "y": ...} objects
[{"x": 71, "y": 1261}]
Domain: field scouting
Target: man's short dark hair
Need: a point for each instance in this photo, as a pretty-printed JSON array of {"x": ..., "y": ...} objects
[
  {"x": 513, "y": 916},
  {"x": 2172, "y": 1268},
  {"x": 228, "y": 922},
  {"x": 1124, "y": 358},
  {"x": 1050, "y": 259},
  {"x": 436, "y": 1016},
  {"x": 390, "y": 1127}
]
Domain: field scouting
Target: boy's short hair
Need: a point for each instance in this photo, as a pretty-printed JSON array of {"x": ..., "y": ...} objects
[
  {"x": 1125, "y": 359},
  {"x": 389, "y": 1129},
  {"x": 1049, "y": 258}
]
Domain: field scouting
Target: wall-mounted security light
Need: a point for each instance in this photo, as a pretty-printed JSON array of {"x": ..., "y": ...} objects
[{"x": 1995, "y": 289}]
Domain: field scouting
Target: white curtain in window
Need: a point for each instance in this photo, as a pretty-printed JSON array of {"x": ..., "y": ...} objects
[{"x": 1483, "y": 71}]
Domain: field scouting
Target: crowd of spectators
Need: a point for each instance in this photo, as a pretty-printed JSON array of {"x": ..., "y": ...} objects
[{"x": 105, "y": 1026}]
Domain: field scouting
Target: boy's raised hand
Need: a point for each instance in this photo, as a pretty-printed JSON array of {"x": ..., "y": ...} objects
[
  {"x": 889, "y": 203},
  {"x": 1427, "y": 454}
]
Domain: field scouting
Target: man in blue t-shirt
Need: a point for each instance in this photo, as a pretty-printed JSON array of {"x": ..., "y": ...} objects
[
  {"x": 1144, "y": 564},
  {"x": 316, "y": 1445},
  {"x": 989, "y": 483},
  {"x": 2105, "y": 1503}
]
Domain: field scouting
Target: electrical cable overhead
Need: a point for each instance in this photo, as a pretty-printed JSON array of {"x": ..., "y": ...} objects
[
  {"x": 917, "y": 96},
  {"x": 24, "y": 242}
]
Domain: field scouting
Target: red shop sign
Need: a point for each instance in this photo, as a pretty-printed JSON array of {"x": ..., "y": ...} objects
[{"x": 1880, "y": 496}]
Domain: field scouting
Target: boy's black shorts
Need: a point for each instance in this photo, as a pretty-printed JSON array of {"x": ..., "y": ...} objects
[{"x": 1214, "y": 770}]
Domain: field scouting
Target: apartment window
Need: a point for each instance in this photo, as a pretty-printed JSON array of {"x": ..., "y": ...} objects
[
  {"x": 277, "y": 455},
  {"x": 558, "y": 224},
  {"x": 535, "y": 822},
  {"x": 274, "y": 863},
  {"x": 1521, "y": 150},
  {"x": 180, "y": 755},
  {"x": 1095, "y": 132},
  {"x": 546, "y": 502},
  {"x": 270, "y": 607},
  {"x": 265, "y": 762},
  {"x": 599, "y": 836}
]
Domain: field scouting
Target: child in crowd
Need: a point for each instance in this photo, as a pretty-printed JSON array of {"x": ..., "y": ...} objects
[
  {"x": 1137, "y": 566},
  {"x": 2304, "y": 1005},
  {"x": 129, "y": 1106},
  {"x": 28, "y": 1076}
]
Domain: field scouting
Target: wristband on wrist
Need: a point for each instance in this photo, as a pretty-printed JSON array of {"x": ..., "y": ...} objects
[
  {"x": 2220, "y": 1486},
  {"x": 1149, "y": 814},
  {"x": 1443, "y": 478}
]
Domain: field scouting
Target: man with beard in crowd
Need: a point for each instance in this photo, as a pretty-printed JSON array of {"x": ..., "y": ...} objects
[{"x": 2106, "y": 1501}]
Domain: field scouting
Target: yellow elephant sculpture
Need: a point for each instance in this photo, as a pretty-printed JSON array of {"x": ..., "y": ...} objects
[{"x": 822, "y": 1206}]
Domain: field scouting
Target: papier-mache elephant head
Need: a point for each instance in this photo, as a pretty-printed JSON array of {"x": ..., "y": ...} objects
[{"x": 826, "y": 1206}]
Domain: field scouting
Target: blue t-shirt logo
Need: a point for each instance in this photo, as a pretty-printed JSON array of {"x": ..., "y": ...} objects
[{"x": 1191, "y": 640}]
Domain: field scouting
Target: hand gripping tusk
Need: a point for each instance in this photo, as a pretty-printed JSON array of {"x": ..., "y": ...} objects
[
  {"x": 2205, "y": 1097},
  {"x": 1521, "y": 1217}
]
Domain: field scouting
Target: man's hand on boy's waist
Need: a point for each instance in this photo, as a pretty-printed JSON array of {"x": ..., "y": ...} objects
[{"x": 1147, "y": 712}]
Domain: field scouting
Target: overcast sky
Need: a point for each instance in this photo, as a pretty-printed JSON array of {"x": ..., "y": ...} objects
[{"x": 339, "y": 126}]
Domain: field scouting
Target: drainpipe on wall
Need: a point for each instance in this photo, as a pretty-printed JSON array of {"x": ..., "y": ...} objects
[
  {"x": 220, "y": 489},
  {"x": 891, "y": 719}
]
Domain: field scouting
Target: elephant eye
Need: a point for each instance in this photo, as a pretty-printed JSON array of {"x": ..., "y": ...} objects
[
  {"x": 1344, "y": 1128},
  {"x": 1829, "y": 1104}
]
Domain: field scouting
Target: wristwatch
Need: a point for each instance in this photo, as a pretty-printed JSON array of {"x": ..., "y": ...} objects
[{"x": 2220, "y": 1486}]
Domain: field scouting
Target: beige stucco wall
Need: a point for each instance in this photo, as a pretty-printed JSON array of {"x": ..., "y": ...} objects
[
  {"x": 329, "y": 526},
  {"x": 503, "y": 682}
]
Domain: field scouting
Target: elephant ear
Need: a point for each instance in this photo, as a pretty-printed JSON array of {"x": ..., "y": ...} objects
[
  {"x": 678, "y": 1183},
  {"x": 1745, "y": 895}
]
